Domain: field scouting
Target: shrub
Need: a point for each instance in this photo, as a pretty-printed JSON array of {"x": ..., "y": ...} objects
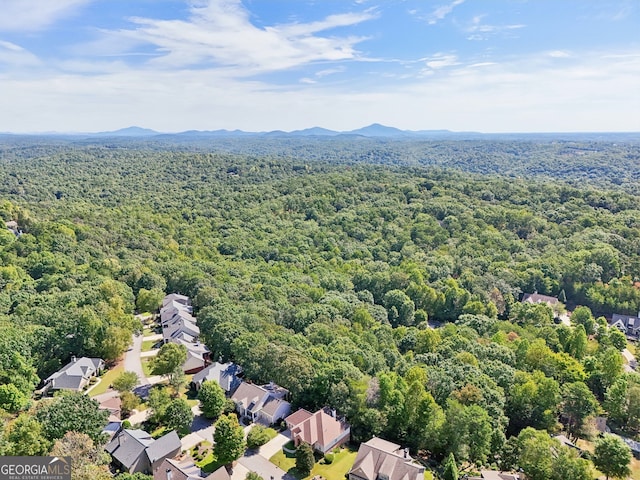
[
  {"x": 328, "y": 458},
  {"x": 257, "y": 437}
]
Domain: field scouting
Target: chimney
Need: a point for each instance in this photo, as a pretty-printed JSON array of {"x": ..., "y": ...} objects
[
  {"x": 169, "y": 474},
  {"x": 333, "y": 412},
  {"x": 406, "y": 453},
  {"x": 73, "y": 359}
]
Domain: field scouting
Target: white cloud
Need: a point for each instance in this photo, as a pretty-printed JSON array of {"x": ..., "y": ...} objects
[
  {"x": 440, "y": 12},
  {"x": 481, "y": 31},
  {"x": 15, "y": 56},
  {"x": 594, "y": 91},
  {"x": 33, "y": 15},
  {"x": 441, "y": 61},
  {"x": 559, "y": 54},
  {"x": 220, "y": 33}
]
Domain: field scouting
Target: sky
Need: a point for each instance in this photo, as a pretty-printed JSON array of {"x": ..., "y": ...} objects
[{"x": 261, "y": 65}]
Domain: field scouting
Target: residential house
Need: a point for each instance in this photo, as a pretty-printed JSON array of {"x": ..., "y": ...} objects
[
  {"x": 226, "y": 374},
  {"x": 166, "y": 314},
  {"x": 75, "y": 375},
  {"x": 187, "y": 470},
  {"x": 379, "y": 459},
  {"x": 322, "y": 429},
  {"x": 495, "y": 475},
  {"x": 113, "y": 406},
  {"x": 136, "y": 451},
  {"x": 627, "y": 324},
  {"x": 537, "y": 298},
  {"x": 176, "y": 298},
  {"x": 264, "y": 404},
  {"x": 197, "y": 356},
  {"x": 633, "y": 445}
]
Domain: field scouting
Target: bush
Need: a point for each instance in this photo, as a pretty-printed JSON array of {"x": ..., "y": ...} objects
[
  {"x": 126, "y": 424},
  {"x": 328, "y": 458},
  {"x": 257, "y": 437}
]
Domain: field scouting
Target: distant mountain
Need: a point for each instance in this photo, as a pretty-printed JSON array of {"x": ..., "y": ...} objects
[
  {"x": 377, "y": 130},
  {"x": 317, "y": 131},
  {"x": 129, "y": 132}
]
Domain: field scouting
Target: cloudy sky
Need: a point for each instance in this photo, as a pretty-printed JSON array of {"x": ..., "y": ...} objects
[{"x": 174, "y": 65}]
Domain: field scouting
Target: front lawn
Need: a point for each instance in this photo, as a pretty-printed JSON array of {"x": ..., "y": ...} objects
[
  {"x": 204, "y": 457},
  {"x": 336, "y": 470},
  {"x": 342, "y": 463},
  {"x": 106, "y": 379},
  {"x": 147, "y": 345},
  {"x": 146, "y": 367}
]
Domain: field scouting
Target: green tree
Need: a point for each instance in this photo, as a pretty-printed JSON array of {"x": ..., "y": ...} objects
[
  {"x": 535, "y": 457},
  {"x": 11, "y": 399},
  {"x": 169, "y": 361},
  {"x": 125, "y": 382},
  {"x": 583, "y": 316},
  {"x": 73, "y": 412},
  {"x": 212, "y": 399},
  {"x": 149, "y": 300},
  {"x": 450, "y": 469},
  {"x": 567, "y": 465},
  {"x": 158, "y": 401},
  {"x": 229, "y": 439},
  {"x": 400, "y": 308},
  {"x": 304, "y": 458},
  {"x": 178, "y": 416},
  {"x": 25, "y": 437},
  {"x": 578, "y": 342},
  {"x": 252, "y": 476},
  {"x": 612, "y": 457},
  {"x": 257, "y": 436},
  {"x": 130, "y": 401},
  {"x": 617, "y": 339},
  {"x": 578, "y": 404},
  {"x": 88, "y": 461}
]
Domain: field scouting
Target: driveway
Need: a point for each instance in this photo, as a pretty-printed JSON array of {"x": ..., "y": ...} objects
[
  {"x": 629, "y": 361},
  {"x": 254, "y": 462},
  {"x": 274, "y": 445}
]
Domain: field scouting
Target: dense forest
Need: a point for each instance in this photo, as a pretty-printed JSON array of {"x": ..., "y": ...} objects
[{"x": 324, "y": 266}]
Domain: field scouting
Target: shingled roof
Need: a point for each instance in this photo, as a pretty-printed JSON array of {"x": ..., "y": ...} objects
[{"x": 380, "y": 459}]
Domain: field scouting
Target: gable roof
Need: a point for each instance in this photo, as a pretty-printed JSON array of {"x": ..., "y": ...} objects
[
  {"x": 318, "y": 428},
  {"x": 75, "y": 374},
  {"x": 226, "y": 374},
  {"x": 627, "y": 321},
  {"x": 128, "y": 446},
  {"x": 248, "y": 395},
  {"x": 298, "y": 416},
  {"x": 219, "y": 474},
  {"x": 164, "y": 446},
  {"x": 174, "y": 470},
  {"x": 537, "y": 298},
  {"x": 175, "y": 297},
  {"x": 379, "y": 458}
]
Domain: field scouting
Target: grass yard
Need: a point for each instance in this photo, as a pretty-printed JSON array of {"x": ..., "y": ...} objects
[
  {"x": 106, "y": 379},
  {"x": 146, "y": 367},
  {"x": 147, "y": 332},
  {"x": 204, "y": 457},
  {"x": 147, "y": 345},
  {"x": 342, "y": 463}
]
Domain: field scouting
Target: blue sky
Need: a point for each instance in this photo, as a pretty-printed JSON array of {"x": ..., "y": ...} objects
[{"x": 463, "y": 65}]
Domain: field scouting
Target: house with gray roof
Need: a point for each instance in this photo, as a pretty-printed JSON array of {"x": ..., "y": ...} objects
[
  {"x": 379, "y": 459},
  {"x": 136, "y": 451},
  {"x": 75, "y": 375},
  {"x": 187, "y": 470},
  {"x": 496, "y": 475},
  {"x": 627, "y": 324},
  {"x": 176, "y": 298},
  {"x": 264, "y": 404},
  {"x": 226, "y": 374}
]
